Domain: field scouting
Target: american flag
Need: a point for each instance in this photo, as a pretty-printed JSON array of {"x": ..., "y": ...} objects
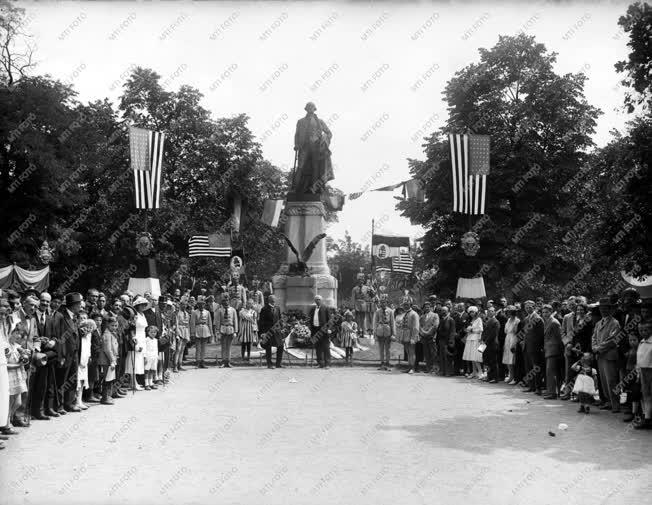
[
  {"x": 146, "y": 148},
  {"x": 470, "y": 167},
  {"x": 402, "y": 264},
  {"x": 216, "y": 244}
]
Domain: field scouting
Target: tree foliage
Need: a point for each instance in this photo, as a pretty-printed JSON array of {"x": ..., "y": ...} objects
[{"x": 540, "y": 126}]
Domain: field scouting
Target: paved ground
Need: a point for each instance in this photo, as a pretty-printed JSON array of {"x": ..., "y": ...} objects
[{"x": 339, "y": 436}]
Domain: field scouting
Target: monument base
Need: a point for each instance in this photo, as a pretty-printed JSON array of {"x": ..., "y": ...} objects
[
  {"x": 140, "y": 286},
  {"x": 305, "y": 221},
  {"x": 298, "y": 292}
]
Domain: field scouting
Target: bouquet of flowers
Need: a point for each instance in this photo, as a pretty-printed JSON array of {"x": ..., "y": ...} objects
[{"x": 301, "y": 333}]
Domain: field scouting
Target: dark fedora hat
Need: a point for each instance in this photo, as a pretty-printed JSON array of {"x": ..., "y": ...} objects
[{"x": 72, "y": 298}]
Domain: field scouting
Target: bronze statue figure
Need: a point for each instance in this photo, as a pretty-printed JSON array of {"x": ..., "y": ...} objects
[{"x": 313, "y": 156}]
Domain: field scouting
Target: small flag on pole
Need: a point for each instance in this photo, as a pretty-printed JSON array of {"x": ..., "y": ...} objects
[
  {"x": 412, "y": 190},
  {"x": 470, "y": 167},
  {"x": 402, "y": 264},
  {"x": 237, "y": 212},
  {"x": 334, "y": 202},
  {"x": 216, "y": 244},
  {"x": 146, "y": 148},
  {"x": 272, "y": 212},
  {"x": 387, "y": 246}
]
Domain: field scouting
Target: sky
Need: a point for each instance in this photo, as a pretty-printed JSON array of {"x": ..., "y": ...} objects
[{"x": 376, "y": 71}]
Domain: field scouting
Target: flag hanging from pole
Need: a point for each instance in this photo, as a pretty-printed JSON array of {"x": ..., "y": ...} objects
[
  {"x": 272, "y": 212},
  {"x": 387, "y": 246},
  {"x": 237, "y": 212},
  {"x": 469, "y": 167},
  {"x": 216, "y": 244},
  {"x": 146, "y": 149},
  {"x": 413, "y": 190},
  {"x": 402, "y": 264}
]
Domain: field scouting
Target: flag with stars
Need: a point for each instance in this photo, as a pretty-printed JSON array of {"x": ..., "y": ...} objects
[
  {"x": 470, "y": 167},
  {"x": 146, "y": 149}
]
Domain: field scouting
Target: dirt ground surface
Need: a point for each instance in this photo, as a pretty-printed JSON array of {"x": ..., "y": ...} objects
[{"x": 299, "y": 435}]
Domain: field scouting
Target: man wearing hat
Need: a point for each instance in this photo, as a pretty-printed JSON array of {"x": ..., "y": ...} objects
[
  {"x": 605, "y": 345},
  {"x": 318, "y": 319},
  {"x": 311, "y": 141},
  {"x": 65, "y": 333}
]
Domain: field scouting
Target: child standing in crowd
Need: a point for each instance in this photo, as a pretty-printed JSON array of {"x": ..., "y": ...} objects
[
  {"x": 86, "y": 329},
  {"x": 151, "y": 357},
  {"x": 630, "y": 383},
  {"x": 108, "y": 359},
  {"x": 247, "y": 329},
  {"x": 644, "y": 365},
  {"x": 17, "y": 357},
  {"x": 348, "y": 333},
  {"x": 183, "y": 335},
  {"x": 585, "y": 381}
]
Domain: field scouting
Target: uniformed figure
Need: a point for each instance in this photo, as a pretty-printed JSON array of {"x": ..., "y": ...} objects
[
  {"x": 226, "y": 326},
  {"x": 201, "y": 329},
  {"x": 358, "y": 301},
  {"x": 237, "y": 294}
]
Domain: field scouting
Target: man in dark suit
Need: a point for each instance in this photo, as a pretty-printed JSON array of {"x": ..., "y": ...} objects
[
  {"x": 490, "y": 339},
  {"x": 65, "y": 333},
  {"x": 446, "y": 334},
  {"x": 533, "y": 342},
  {"x": 270, "y": 331},
  {"x": 553, "y": 352},
  {"x": 318, "y": 322},
  {"x": 42, "y": 387}
]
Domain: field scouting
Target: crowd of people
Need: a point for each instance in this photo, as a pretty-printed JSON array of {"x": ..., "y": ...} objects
[{"x": 61, "y": 353}]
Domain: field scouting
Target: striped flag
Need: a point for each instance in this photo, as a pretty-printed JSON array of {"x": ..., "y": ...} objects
[
  {"x": 216, "y": 244},
  {"x": 146, "y": 148},
  {"x": 402, "y": 264},
  {"x": 470, "y": 167}
]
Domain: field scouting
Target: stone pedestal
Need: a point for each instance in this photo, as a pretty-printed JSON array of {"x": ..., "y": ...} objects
[{"x": 305, "y": 220}]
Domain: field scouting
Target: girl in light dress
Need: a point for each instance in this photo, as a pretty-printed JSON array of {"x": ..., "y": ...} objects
[
  {"x": 248, "y": 329},
  {"x": 183, "y": 335},
  {"x": 511, "y": 329},
  {"x": 86, "y": 329},
  {"x": 135, "y": 360},
  {"x": 585, "y": 382},
  {"x": 16, "y": 359},
  {"x": 473, "y": 336},
  {"x": 348, "y": 336},
  {"x": 151, "y": 357}
]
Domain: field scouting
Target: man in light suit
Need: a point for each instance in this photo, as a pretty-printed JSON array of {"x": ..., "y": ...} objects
[
  {"x": 226, "y": 326},
  {"x": 312, "y": 139},
  {"x": 428, "y": 325},
  {"x": 553, "y": 348},
  {"x": 318, "y": 320}
]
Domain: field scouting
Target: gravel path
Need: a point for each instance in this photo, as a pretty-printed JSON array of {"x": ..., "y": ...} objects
[{"x": 339, "y": 436}]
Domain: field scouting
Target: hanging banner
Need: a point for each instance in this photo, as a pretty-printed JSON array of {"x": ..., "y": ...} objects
[{"x": 19, "y": 279}]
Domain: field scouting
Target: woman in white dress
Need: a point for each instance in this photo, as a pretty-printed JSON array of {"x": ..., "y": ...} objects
[
  {"x": 5, "y": 329},
  {"x": 135, "y": 361},
  {"x": 473, "y": 336},
  {"x": 511, "y": 329}
]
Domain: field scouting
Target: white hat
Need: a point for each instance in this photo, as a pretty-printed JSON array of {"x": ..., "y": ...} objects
[
  {"x": 140, "y": 301},
  {"x": 472, "y": 308}
]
